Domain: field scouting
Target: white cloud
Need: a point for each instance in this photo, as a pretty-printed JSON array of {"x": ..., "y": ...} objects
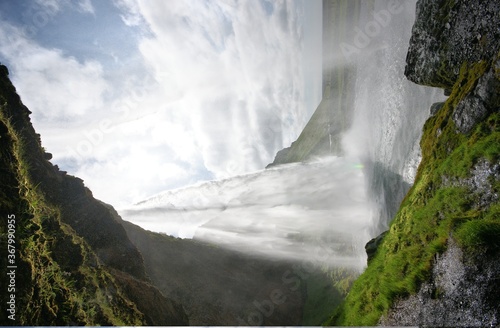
[
  {"x": 221, "y": 93},
  {"x": 59, "y": 87},
  {"x": 237, "y": 67},
  {"x": 86, "y": 6},
  {"x": 131, "y": 15},
  {"x": 56, "y": 6},
  {"x": 51, "y": 6}
]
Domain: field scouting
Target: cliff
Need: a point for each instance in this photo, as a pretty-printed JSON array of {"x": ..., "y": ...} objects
[
  {"x": 219, "y": 286},
  {"x": 76, "y": 262},
  {"x": 438, "y": 263},
  {"x": 70, "y": 261},
  {"x": 322, "y": 134}
]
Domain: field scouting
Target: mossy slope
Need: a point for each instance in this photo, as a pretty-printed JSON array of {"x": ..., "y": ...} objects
[
  {"x": 442, "y": 204},
  {"x": 67, "y": 273},
  {"x": 455, "y": 197},
  {"x": 219, "y": 286}
]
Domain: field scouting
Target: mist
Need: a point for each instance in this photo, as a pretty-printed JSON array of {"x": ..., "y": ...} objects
[
  {"x": 324, "y": 210},
  {"x": 291, "y": 212}
]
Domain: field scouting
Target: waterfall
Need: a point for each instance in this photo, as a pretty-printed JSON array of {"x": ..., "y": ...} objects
[
  {"x": 388, "y": 110},
  {"x": 324, "y": 210},
  {"x": 290, "y": 211}
]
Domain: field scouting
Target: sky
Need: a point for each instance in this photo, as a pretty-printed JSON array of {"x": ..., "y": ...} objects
[{"x": 137, "y": 97}]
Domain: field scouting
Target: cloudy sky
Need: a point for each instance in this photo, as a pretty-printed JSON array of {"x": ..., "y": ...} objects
[{"x": 136, "y": 97}]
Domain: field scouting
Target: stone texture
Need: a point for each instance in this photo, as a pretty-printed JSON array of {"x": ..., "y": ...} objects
[
  {"x": 448, "y": 33},
  {"x": 436, "y": 107},
  {"x": 484, "y": 99},
  {"x": 479, "y": 183},
  {"x": 468, "y": 112},
  {"x": 460, "y": 293}
]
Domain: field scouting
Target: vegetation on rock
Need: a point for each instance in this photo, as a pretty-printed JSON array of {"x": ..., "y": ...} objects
[
  {"x": 63, "y": 276},
  {"x": 455, "y": 194},
  {"x": 433, "y": 210}
]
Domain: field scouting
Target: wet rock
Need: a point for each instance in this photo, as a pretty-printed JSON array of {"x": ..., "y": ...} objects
[
  {"x": 448, "y": 33},
  {"x": 436, "y": 107},
  {"x": 484, "y": 99},
  {"x": 372, "y": 246},
  {"x": 488, "y": 88},
  {"x": 469, "y": 112},
  {"x": 479, "y": 183},
  {"x": 462, "y": 292}
]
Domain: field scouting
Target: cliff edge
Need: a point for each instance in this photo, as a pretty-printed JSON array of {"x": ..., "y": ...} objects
[
  {"x": 69, "y": 261},
  {"x": 438, "y": 263}
]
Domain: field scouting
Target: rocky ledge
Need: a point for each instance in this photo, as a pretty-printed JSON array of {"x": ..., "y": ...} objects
[
  {"x": 462, "y": 291},
  {"x": 448, "y": 33}
]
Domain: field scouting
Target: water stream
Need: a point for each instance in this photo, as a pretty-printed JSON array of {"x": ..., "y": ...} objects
[{"x": 326, "y": 210}]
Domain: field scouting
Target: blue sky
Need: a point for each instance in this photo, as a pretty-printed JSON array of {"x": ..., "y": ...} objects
[{"x": 136, "y": 97}]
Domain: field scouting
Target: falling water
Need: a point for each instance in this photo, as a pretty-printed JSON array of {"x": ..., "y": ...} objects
[
  {"x": 290, "y": 211},
  {"x": 388, "y": 110},
  {"x": 324, "y": 210}
]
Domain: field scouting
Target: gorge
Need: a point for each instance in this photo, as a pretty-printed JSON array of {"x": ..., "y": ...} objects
[{"x": 409, "y": 165}]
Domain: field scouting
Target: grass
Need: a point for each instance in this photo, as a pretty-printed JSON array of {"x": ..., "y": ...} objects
[
  {"x": 59, "y": 278},
  {"x": 475, "y": 235},
  {"x": 437, "y": 206},
  {"x": 53, "y": 298},
  {"x": 325, "y": 290}
]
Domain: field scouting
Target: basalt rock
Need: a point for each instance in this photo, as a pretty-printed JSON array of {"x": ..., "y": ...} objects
[
  {"x": 461, "y": 292},
  {"x": 438, "y": 263},
  {"x": 448, "y": 33},
  {"x": 372, "y": 245}
]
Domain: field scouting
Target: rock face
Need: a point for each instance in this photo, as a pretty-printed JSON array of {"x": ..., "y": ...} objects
[
  {"x": 372, "y": 245},
  {"x": 322, "y": 134},
  {"x": 75, "y": 263},
  {"x": 461, "y": 293},
  {"x": 448, "y": 36},
  {"x": 484, "y": 99},
  {"x": 438, "y": 263},
  {"x": 448, "y": 33},
  {"x": 219, "y": 286}
]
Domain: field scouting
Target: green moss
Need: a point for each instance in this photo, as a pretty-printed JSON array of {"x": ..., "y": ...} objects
[
  {"x": 59, "y": 277},
  {"x": 436, "y": 207},
  {"x": 326, "y": 288},
  {"x": 476, "y": 235},
  {"x": 322, "y": 296}
]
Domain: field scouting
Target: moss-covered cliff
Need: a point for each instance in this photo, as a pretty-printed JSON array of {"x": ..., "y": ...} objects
[
  {"x": 322, "y": 134},
  {"x": 438, "y": 264},
  {"x": 70, "y": 262}
]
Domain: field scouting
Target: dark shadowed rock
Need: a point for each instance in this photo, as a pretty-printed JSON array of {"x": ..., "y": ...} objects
[
  {"x": 436, "y": 107},
  {"x": 76, "y": 263},
  {"x": 448, "y": 33},
  {"x": 372, "y": 245}
]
